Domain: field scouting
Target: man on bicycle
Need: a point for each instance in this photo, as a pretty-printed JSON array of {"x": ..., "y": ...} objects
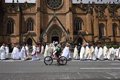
[{"x": 57, "y": 51}]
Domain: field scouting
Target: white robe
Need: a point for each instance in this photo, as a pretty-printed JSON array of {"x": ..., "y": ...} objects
[
  {"x": 119, "y": 53},
  {"x": 100, "y": 53},
  {"x": 87, "y": 52},
  {"x": 2, "y": 53},
  {"x": 7, "y": 52},
  {"x": 27, "y": 50},
  {"x": 34, "y": 54},
  {"x": 66, "y": 52},
  {"x": 75, "y": 54},
  {"x": 111, "y": 54},
  {"x": 91, "y": 53},
  {"x": 42, "y": 49},
  {"x": 95, "y": 54},
  {"x": 23, "y": 53},
  {"x": 46, "y": 51},
  {"x": 33, "y": 50},
  {"x": 82, "y": 52},
  {"x": 105, "y": 49},
  {"x": 15, "y": 53}
]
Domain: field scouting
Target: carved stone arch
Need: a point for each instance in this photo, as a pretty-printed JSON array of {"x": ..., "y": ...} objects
[
  {"x": 80, "y": 40},
  {"x": 54, "y": 33},
  {"x": 28, "y": 40}
]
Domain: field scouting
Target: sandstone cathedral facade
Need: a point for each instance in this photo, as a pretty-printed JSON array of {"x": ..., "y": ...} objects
[{"x": 59, "y": 20}]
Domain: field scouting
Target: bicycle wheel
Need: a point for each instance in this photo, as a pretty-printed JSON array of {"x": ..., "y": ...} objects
[
  {"x": 48, "y": 60},
  {"x": 62, "y": 60}
]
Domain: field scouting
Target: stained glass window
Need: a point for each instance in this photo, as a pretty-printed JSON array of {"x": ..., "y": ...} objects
[{"x": 54, "y": 4}]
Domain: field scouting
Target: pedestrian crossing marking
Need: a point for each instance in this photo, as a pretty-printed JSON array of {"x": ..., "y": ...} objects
[{"x": 103, "y": 68}]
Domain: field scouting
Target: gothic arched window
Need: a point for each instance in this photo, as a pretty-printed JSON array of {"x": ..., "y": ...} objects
[
  {"x": 101, "y": 30},
  {"x": 10, "y": 26},
  {"x": 114, "y": 29},
  {"x": 78, "y": 24},
  {"x": 30, "y": 24}
]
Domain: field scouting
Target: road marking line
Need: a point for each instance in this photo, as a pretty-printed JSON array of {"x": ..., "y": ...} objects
[{"x": 104, "y": 68}]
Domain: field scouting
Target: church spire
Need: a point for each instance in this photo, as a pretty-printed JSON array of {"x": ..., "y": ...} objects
[
  {"x": 13, "y": 1},
  {"x": 17, "y": 1},
  {"x": 18, "y": 6}
]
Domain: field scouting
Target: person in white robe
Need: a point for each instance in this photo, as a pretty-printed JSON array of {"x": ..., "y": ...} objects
[
  {"x": 111, "y": 55},
  {"x": 50, "y": 50},
  {"x": 90, "y": 56},
  {"x": 87, "y": 52},
  {"x": 46, "y": 51},
  {"x": 15, "y": 53},
  {"x": 38, "y": 50},
  {"x": 95, "y": 54},
  {"x": 105, "y": 51},
  {"x": 27, "y": 49},
  {"x": 34, "y": 54},
  {"x": 116, "y": 53},
  {"x": 23, "y": 53},
  {"x": 75, "y": 53},
  {"x": 66, "y": 51},
  {"x": 7, "y": 52},
  {"x": 42, "y": 49},
  {"x": 119, "y": 53},
  {"x": 82, "y": 52},
  {"x": 2, "y": 52},
  {"x": 100, "y": 53}
]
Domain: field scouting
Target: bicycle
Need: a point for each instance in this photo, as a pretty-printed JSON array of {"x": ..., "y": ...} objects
[{"x": 61, "y": 60}]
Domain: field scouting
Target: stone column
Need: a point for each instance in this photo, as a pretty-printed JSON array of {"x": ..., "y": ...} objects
[
  {"x": 95, "y": 25},
  {"x": 38, "y": 20},
  {"x": 69, "y": 19},
  {"x": 17, "y": 27},
  {"x": 109, "y": 26},
  {"x": 88, "y": 22}
]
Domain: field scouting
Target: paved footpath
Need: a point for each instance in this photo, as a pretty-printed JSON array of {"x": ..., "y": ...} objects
[{"x": 74, "y": 70}]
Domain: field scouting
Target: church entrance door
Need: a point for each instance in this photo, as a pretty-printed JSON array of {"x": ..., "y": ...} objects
[
  {"x": 29, "y": 41},
  {"x": 55, "y": 38}
]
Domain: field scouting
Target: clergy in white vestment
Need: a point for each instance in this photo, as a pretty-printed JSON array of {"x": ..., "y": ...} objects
[
  {"x": 91, "y": 52},
  {"x": 87, "y": 52},
  {"x": 2, "y": 52},
  {"x": 82, "y": 52},
  {"x": 42, "y": 49},
  {"x": 50, "y": 50},
  {"x": 111, "y": 55},
  {"x": 66, "y": 51},
  {"x": 95, "y": 54},
  {"x": 38, "y": 48},
  {"x": 33, "y": 50},
  {"x": 100, "y": 53},
  {"x": 105, "y": 51},
  {"x": 23, "y": 53},
  {"x": 34, "y": 53},
  {"x": 7, "y": 51},
  {"x": 119, "y": 53},
  {"x": 16, "y": 52},
  {"x": 75, "y": 53},
  {"x": 116, "y": 53},
  {"x": 27, "y": 49},
  {"x": 46, "y": 51}
]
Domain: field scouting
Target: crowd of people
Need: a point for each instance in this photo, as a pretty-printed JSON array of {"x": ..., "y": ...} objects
[
  {"x": 34, "y": 52},
  {"x": 96, "y": 52},
  {"x": 82, "y": 52}
]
